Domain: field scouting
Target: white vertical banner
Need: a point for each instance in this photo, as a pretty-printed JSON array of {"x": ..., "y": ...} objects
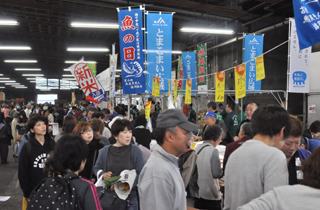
[
  {"x": 105, "y": 79},
  {"x": 299, "y": 78}
]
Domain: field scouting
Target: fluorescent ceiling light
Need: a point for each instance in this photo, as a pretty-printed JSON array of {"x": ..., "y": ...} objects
[
  {"x": 33, "y": 81},
  {"x": 206, "y": 30},
  {"x": 15, "y": 48},
  {"x": 22, "y": 87},
  {"x": 27, "y": 69},
  {"x": 4, "y": 78},
  {"x": 69, "y": 79},
  {"x": 162, "y": 51},
  {"x": 1, "y": 74},
  {"x": 9, "y": 22},
  {"x": 2, "y": 86},
  {"x": 88, "y": 49},
  {"x": 5, "y": 81},
  {"x": 93, "y": 25},
  {"x": 117, "y": 76},
  {"x": 67, "y": 75},
  {"x": 32, "y": 75},
  {"x": 45, "y": 89},
  {"x": 20, "y": 61},
  {"x": 14, "y": 83},
  {"x": 78, "y": 61},
  {"x": 118, "y": 70},
  {"x": 31, "y": 78},
  {"x": 66, "y": 69}
]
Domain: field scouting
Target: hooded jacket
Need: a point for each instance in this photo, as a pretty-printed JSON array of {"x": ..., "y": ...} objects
[{"x": 31, "y": 165}]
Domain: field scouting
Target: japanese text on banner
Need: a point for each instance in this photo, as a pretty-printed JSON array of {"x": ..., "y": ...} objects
[
  {"x": 156, "y": 86},
  {"x": 240, "y": 80},
  {"x": 202, "y": 65},
  {"x": 220, "y": 86},
  {"x": 189, "y": 67},
  {"x": 86, "y": 80},
  {"x": 148, "y": 108},
  {"x": 131, "y": 45},
  {"x": 159, "y": 49},
  {"x": 175, "y": 91},
  {"x": 188, "y": 92},
  {"x": 260, "y": 68},
  {"x": 180, "y": 74},
  {"x": 299, "y": 78},
  {"x": 253, "y": 47},
  {"x": 307, "y": 16}
]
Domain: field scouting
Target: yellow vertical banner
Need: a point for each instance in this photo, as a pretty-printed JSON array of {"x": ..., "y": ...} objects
[
  {"x": 147, "y": 109},
  {"x": 73, "y": 98},
  {"x": 240, "y": 80},
  {"x": 169, "y": 87},
  {"x": 188, "y": 92},
  {"x": 260, "y": 72},
  {"x": 156, "y": 86},
  {"x": 175, "y": 95},
  {"x": 220, "y": 86}
]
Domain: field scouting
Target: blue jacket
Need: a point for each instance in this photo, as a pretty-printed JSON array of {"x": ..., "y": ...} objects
[
  {"x": 312, "y": 144},
  {"x": 101, "y": 165},
  {"x": 303, "y": 154}
]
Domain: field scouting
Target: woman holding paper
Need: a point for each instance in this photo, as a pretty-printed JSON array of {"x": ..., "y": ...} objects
[{"x": 122, "y": 155}]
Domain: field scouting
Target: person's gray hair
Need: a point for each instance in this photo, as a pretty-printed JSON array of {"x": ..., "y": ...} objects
[
  {"x": 16, "y": 115},
  {"x": 247, "y": 129}
]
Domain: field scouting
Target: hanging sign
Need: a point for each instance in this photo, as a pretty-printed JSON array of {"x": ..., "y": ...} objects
[
  {"x": 113, "y": 66},
  {"x": 253, "y": 47},
  {"x": 159, "y": 49},
  {"x": 189, "y": 67},
  {"x": 105, "y": 79},
  {"x": 260, "y": 68},
  {"x": 188, "y": 91},
  {"x": 148, "y": 108},
  {"x": 169, "y": 87},
  {"x": 299, "y": 78},
  {"x": 156, "y": 86},
  {"x": 240, "y": 80},
  {"x": 202, "y": 67},
  {"x": 220, "y": 86},
  {"x": 175, "y": 91},
  {"x": 307, "y": 15},
  {"x": 93, "y": 68},
  {"x": 131, "y": 45},
  {"x": 73, "y": 98},
  {"x": 180, "y": 74},
  {"x": 88, "y": 83}
]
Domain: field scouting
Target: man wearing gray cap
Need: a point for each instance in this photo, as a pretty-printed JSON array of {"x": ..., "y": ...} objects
[{"x": 160, "y": 183}]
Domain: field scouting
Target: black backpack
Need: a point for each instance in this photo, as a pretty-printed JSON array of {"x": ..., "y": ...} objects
[
  {"x": 192, "y": 187},
  {"x": 53, "y": 193}
]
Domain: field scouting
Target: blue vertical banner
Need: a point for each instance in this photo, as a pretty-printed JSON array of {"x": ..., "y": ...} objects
[
  {"x": 189, "y": 69},
  {"x": 253, "y": 47},
  {"x": 159, "y": 49},
  {"x": 307, "y": 16},
  {"x": 131, "y": 46}
]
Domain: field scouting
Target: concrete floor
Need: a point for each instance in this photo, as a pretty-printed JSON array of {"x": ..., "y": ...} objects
[{"x": 9, "y": 184}]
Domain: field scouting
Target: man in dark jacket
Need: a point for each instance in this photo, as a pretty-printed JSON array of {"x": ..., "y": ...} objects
[
  {"x": 5, "y": 140},
  {"x": 33, "y": 155},
  {"x": 61, "y": 113},
  {"x": 231, "y": 120}
]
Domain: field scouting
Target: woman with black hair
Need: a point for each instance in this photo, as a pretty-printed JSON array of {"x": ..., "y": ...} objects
[
  {"x": 69, "y": 123},
  {"x": 22, "y": 123},
  {"x": 68, "y": 159},
  {"x": 143, "y": 135},
  {"x": 122, "y": 155},
  {"x": 33, "y": 155}
]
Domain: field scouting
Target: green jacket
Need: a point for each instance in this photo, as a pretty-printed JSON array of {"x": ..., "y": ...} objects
[
  {"x": 243, "y": 116},
  {"x": 231, "y": 122}
]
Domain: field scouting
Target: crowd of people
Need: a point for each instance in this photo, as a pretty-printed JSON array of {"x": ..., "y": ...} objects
[{"x": 270, "y": 161}]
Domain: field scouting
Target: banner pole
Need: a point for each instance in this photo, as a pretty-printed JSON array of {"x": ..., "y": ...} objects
[{"x": 288, "y": 66}]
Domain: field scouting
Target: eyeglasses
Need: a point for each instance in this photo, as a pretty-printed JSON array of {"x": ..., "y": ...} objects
[{"x": 87, "y": 131}]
